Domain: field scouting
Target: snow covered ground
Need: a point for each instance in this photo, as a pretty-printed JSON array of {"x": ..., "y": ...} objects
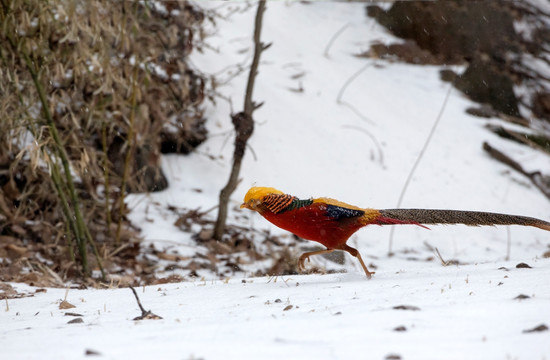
[
  {"x": 461, "y": 313},
  {"x": 325, "y": 132}
]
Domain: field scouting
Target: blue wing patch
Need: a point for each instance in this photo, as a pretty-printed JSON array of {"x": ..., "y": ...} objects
[{"x": 338, "y": 212}]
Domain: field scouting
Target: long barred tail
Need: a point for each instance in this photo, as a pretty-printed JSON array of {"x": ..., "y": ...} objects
[{"x": 472, "y": 218}]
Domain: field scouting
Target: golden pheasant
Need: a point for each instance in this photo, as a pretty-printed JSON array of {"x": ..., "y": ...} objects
[{"x": 331, "y": 222}]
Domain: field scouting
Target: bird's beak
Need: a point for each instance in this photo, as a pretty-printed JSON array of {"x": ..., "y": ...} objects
[{"x": 244, "y": 206}]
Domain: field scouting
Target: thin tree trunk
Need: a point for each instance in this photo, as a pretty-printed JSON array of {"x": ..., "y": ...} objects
[{"x": 244, "y": 126}]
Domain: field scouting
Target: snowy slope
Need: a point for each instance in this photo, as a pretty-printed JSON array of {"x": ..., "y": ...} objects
[
  {"x": 359, "y": 149},
  {"x": 310, "y": 144}
]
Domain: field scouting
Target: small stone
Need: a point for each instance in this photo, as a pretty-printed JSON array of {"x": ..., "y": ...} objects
[{"x": 523, "y": 266}]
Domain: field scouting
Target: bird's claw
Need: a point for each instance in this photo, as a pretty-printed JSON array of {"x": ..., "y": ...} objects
[{"x": 301, "y": 262}]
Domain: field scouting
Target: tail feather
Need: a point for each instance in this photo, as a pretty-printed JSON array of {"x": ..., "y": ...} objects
[{"x": 471, "y": 218}]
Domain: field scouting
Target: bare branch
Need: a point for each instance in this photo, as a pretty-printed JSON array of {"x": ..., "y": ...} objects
[
  {"x": 542, "y": 182},
  {"x": 258, "y": 48},
  {"x": 244, "y": 125}
]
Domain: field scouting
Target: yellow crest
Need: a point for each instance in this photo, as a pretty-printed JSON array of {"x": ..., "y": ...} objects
[{"x": 258, "y": 192}]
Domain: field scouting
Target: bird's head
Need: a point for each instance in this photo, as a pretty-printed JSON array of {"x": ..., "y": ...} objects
[{"x": 254, "y": 196}]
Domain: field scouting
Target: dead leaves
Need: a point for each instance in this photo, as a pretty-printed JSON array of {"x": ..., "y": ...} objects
[
  {"x": 240, "y": 246},
  {"x": 7, "y": 291}
]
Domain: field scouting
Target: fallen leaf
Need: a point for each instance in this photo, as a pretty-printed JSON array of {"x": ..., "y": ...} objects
[
  {"x": 406, "y": 307},
  {"x": 540, "y": 328},
  {"x": 90, "y": 352},
  {"x": 17, "y": 251},
  {"x": 66, "y": 305},
  {"x": 171, "y": 257},
  {"x": 18, "y": 230},
  {"x": 75, "y": 321},
  {"x": 72, "y": 314},
  {"x": 148, "y": 315},
  {"x": 393, "y": 357}
]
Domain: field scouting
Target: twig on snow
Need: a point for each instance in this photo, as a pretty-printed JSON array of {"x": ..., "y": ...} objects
[
  {"x": 339, "y": 100},
  {"x": 333, "y": 38},
  {"x": 145, "y": 314}
]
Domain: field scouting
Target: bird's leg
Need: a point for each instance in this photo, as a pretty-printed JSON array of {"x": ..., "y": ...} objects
[
  {"x": 306, "y": 255},
  {"x": 356, "y": 254}
]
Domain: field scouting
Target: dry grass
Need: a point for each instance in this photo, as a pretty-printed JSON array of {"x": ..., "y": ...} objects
[{"x": 114, "y": 81}]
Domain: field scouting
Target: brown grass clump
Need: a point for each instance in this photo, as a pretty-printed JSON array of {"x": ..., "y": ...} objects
[{"x": 89, "y": 90}]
